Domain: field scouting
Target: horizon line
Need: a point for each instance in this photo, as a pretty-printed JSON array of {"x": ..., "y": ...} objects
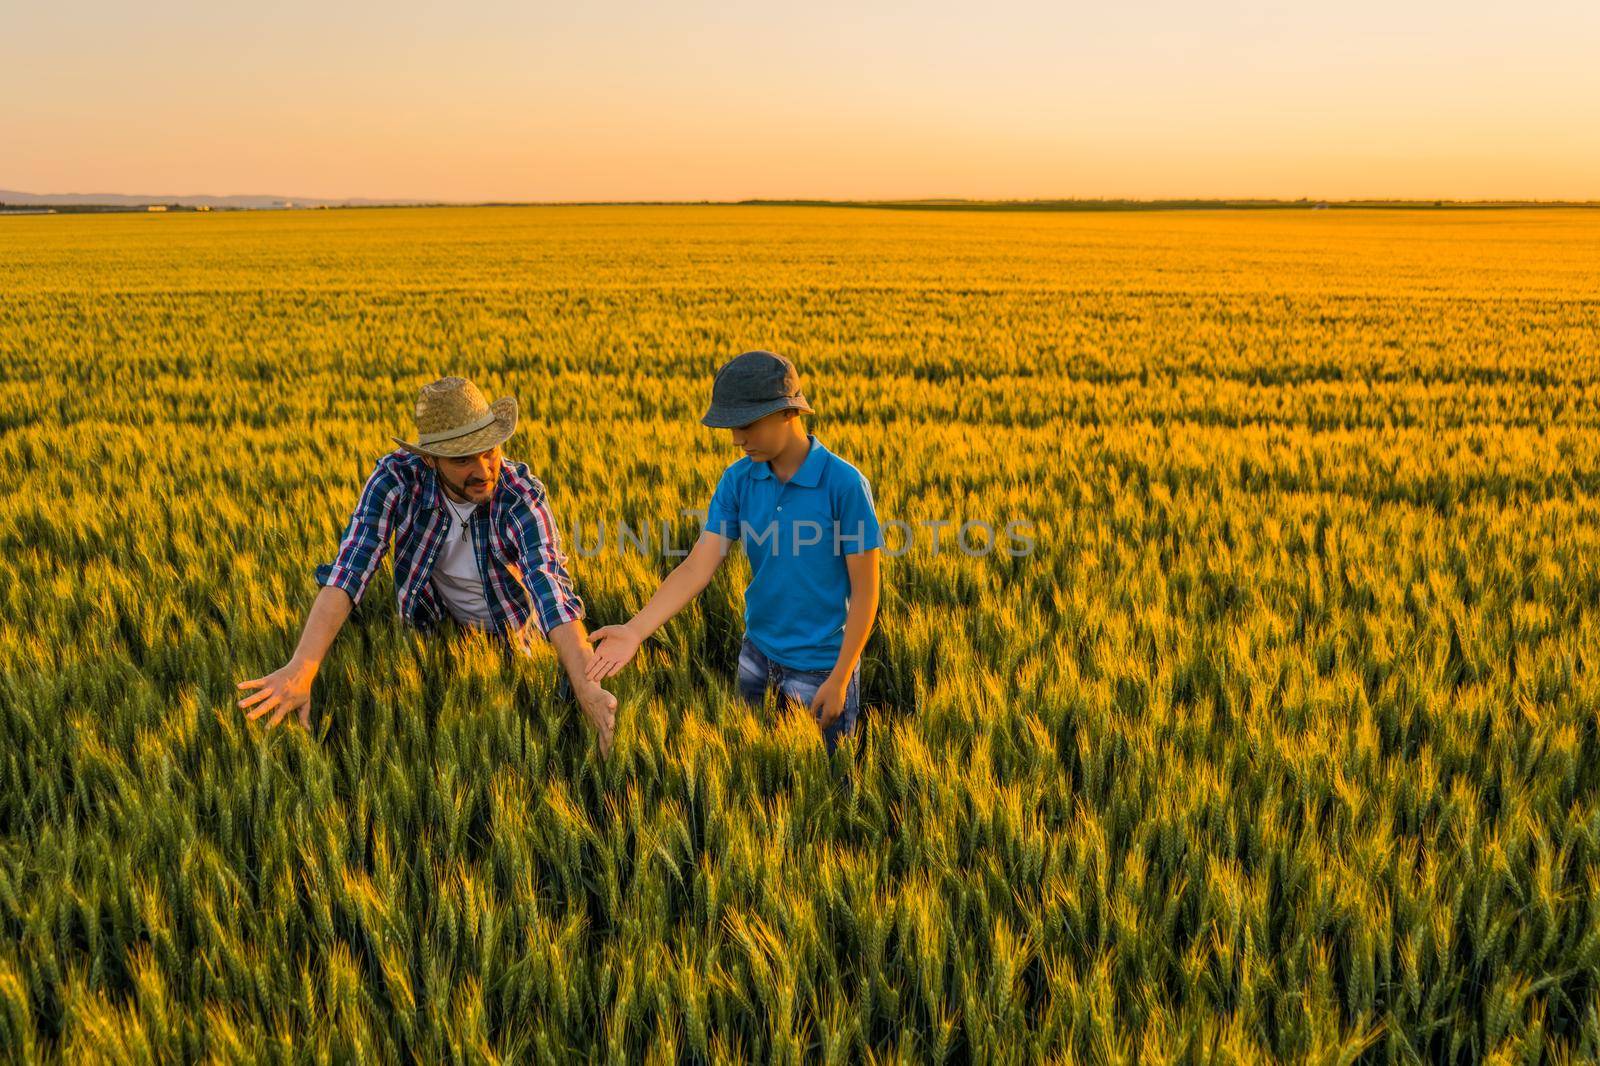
[{"x": 110, "y": 199}]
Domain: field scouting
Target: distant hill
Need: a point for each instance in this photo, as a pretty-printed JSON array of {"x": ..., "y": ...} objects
[{"x": 113, "y": 199}]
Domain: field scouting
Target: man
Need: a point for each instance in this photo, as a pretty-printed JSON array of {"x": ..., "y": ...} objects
[
  {"x": 805, "y": 519},
  {"x": 473, "y": 536}
]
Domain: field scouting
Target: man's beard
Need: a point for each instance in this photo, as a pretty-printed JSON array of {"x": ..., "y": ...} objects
[{"x": 460, "y": 490}]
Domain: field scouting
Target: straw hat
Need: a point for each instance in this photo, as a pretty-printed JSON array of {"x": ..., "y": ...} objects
[{"x": 454, "y": 419}]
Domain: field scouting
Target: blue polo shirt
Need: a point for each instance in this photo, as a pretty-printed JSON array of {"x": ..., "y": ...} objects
[{"x": 797, "y": 534}]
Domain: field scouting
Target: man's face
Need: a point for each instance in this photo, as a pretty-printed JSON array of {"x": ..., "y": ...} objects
[
  {"x": 764, "y": 438},
  {"x": 468, "y": 478}
]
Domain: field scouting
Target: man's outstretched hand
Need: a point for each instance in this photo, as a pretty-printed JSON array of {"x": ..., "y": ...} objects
[
  {"x": 614, "y": 648},
  {"x": 286, "y": 689},
  {"x": 600, "y": 707}
]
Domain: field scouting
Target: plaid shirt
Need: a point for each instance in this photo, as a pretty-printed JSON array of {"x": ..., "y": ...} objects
[{"x": 515, "y": 539}]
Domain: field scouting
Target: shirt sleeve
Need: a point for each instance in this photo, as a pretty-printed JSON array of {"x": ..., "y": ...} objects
[
  {"x": 722, "y": 513},
  {"x": 543, "y": 563},
  {"x": 366, "y": 536},
  {"x": 858, "y": 529}
]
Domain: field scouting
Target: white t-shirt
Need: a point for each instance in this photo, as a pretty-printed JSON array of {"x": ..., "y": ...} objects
[{"x": 455, "y": 570}]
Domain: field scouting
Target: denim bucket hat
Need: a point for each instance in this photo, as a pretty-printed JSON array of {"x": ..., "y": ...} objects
[{"x": 752, "y": 386}]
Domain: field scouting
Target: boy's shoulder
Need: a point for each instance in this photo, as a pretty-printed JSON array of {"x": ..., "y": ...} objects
[{"x": 841, "y": 471}]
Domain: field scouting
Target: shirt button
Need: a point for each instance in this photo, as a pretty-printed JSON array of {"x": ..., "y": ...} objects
[{"x": 780, "y": 508}]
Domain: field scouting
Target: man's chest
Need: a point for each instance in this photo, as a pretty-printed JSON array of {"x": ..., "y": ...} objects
[
  {"x": 458, "y": 556},
  {"x": 431, "y": 540}
]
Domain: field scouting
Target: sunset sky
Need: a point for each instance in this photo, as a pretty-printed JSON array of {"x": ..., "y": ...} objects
[{"x": 606, "y": 101}]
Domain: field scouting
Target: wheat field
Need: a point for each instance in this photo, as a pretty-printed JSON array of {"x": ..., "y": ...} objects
[{"x": 1281, "y": 743}]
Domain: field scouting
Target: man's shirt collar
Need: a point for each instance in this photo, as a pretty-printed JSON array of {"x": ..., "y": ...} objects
[{"x": 430, "y": 489}]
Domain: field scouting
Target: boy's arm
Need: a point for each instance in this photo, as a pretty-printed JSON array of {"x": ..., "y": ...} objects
[
  {"x": 615, "y": 645},
  {"x": 828, "y": 703}
]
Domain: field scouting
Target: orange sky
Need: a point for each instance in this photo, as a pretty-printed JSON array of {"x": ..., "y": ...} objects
[{"x": 699, "y": 101}]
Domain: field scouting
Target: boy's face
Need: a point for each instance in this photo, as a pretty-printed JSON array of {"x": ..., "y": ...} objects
[
  {"x": 470, "y": 477},
  {"x": 764, "y": 438}
]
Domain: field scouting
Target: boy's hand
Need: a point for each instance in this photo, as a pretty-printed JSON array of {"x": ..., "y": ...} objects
[
  {"x": 600, "y": 707},
  {"x": 614, "y": 647},
  {"x": 828, "y": 704},
  {"x": 286, "y": 689}
]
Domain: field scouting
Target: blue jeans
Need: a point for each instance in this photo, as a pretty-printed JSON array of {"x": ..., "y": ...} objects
[{"x": 757, "y": 673}]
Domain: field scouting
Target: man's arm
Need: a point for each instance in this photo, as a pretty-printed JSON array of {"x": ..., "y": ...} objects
[
  {"x": 599, "y": 706},
  {"x": 558, "y": 610},
  {"x": 828, "y": 703},
  {"x": 616, "y": 645},
  {"x": 366, "y": 538},
  {"x": 288, "y": 688}
]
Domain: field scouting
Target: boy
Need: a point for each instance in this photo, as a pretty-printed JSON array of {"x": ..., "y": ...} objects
[{"x": 805, "y": 519}]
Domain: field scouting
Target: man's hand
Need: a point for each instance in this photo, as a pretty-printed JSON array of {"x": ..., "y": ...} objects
[
  {"x": 614, "y": 648},
  {"x": 286, "y": 689},
  {"x": 600, "y": 707},
  {"x": 828, "y": 703}
]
